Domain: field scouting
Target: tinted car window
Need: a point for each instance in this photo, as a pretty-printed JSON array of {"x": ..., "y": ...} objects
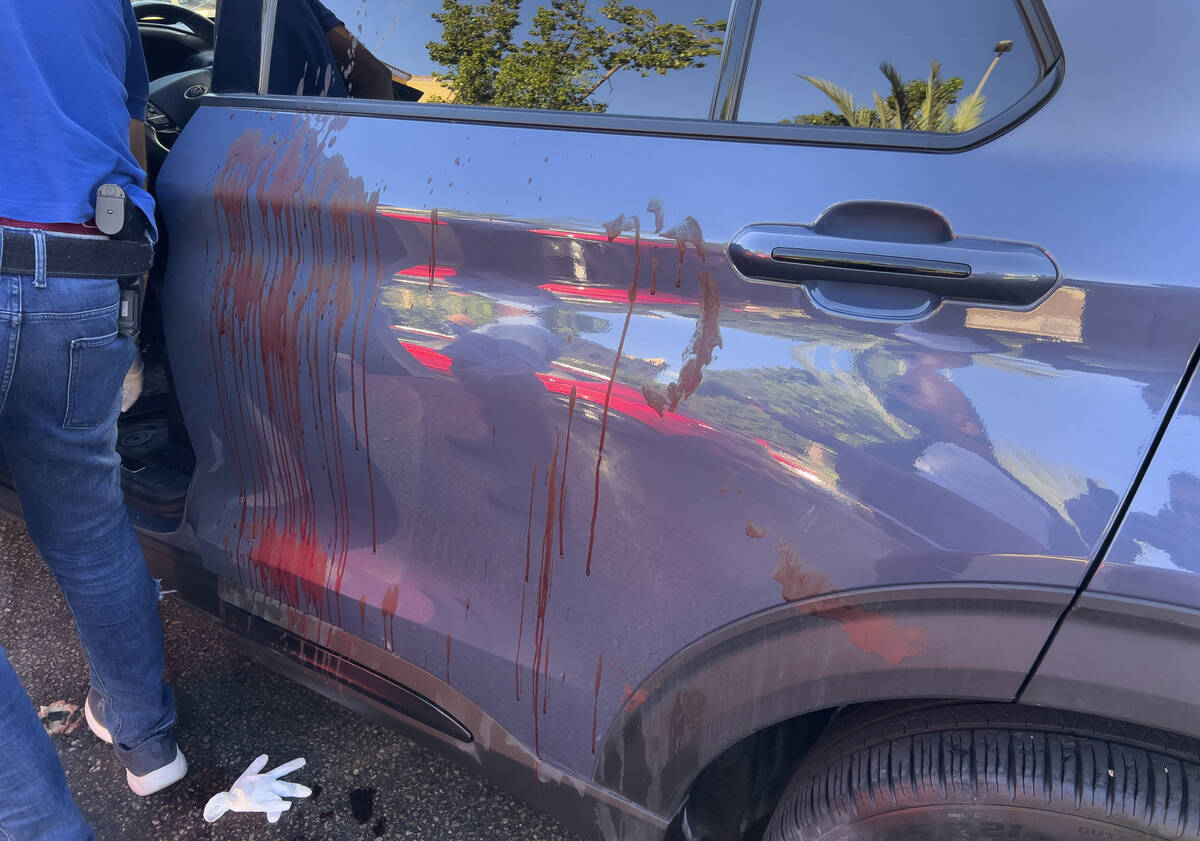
[
  {"x": 874, "y": 65},
  {"x": 646, "y": 57}
]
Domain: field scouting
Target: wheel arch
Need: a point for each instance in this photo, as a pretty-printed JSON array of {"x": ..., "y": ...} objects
[{"x": 972, "y": 642}]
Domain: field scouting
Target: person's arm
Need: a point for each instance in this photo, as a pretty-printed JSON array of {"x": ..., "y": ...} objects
[
  {"x": 366, "y": 76},
  {"x": 137, "y": 143}
]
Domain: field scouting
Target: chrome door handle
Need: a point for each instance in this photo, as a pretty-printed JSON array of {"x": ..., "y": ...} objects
[{"x": 958, "y": 269}]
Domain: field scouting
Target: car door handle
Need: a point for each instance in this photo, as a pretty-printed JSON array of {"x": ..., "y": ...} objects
[{"x": 957, "y": 269}]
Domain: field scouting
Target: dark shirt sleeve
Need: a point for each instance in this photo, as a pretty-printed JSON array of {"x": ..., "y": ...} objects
[
  {"x": 137, "y": 82},
  {"x": 326, "y": 18}
]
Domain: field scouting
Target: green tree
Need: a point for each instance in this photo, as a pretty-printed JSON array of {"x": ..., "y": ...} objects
[
  {"x": 475, "y": 40},
  {"x": 915, "y": 105},
  {"x": 567, "y": 55}
]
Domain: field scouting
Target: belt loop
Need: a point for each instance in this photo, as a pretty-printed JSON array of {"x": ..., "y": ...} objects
[{"x": 39, "y": 259}]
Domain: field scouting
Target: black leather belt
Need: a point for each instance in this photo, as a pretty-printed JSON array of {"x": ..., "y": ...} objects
[{"x": 73, "y": 255}]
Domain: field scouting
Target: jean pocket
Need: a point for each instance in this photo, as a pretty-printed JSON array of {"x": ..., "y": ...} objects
[{"x": 98, "y": 367}]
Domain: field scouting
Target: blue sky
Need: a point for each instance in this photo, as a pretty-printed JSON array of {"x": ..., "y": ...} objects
[{"x": 842, "y": 41}]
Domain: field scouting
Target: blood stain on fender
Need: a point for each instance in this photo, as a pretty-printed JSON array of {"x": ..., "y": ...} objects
[{"x": 870, "y": 631}]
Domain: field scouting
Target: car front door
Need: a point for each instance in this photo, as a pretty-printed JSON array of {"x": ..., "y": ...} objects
[{"x": 535, "y": 398}]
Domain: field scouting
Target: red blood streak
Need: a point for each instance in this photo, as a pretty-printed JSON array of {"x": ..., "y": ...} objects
[
  {"x": 596, "y": 704},
  {"x": 525, "y": 585},
  {"x": 433, "y": 217},
  {"x": 604, "y": 424},
  {"x": 540, "y": 644},
  {"x": 562, "y": 494},
  {"x": 281, "y": 310},
  {"x": 429, "y": 357}
]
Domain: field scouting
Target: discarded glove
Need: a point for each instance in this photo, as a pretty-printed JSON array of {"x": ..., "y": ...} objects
[
  {"x": 132, "y": 389},
  {"x": 255, "y": 792}
]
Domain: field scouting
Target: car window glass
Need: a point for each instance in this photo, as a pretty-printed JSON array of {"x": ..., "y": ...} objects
[
  {"x": 875, "y": 65},
  {"x": 645, "y": 57}
]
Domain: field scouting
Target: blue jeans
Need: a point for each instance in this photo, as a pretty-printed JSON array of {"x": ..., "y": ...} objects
[{"x": 62, "y": 369}]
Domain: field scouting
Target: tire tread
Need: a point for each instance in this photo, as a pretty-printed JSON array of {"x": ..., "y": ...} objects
[{"x": 999, "y": 754}]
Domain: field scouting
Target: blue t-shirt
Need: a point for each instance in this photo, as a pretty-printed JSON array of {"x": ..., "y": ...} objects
[{"x": 72, "y": 76}]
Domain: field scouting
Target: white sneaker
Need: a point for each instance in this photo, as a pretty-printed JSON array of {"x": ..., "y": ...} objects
[{"x": 148, "y": 783}]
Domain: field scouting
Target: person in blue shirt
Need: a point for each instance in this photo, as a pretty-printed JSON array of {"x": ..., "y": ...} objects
[
  {"x": 71, "y": 109},
  {"x": 312, "y": 53}
]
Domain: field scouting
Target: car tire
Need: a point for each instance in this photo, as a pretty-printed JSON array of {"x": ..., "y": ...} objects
[{"x": 990, "y": 771}]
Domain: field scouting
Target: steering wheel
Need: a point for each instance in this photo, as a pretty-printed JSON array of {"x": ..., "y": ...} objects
[
  {"x": 178, "y": 43},
  {"x": 168, "y": 14}
]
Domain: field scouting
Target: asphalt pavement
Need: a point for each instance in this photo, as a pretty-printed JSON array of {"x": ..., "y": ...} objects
[{"x": 369, "y": 781}]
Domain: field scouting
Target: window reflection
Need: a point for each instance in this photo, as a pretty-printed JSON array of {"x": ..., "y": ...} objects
[
  {"x": 657, "y": 57},
  {"x": 947, "y": 65}
]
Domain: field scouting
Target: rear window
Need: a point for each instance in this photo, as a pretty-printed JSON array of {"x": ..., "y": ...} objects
[{"x": 907, "y": 65}]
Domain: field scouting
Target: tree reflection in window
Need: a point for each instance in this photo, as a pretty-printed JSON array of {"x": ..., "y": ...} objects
[
  {"x": 567, "y": 55},
  {"x": 930, "y": 104}
]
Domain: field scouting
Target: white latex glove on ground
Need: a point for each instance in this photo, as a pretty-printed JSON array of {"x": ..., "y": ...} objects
[
  {"x": 255, "y": 792},
  {"x": 133, "y": 383}
]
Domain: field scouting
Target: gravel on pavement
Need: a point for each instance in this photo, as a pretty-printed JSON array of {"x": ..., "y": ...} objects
[{"x": 368, "y": 781}]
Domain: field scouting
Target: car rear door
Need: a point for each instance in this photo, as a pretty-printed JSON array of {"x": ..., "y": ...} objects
[{"x": 535, "y": 399}]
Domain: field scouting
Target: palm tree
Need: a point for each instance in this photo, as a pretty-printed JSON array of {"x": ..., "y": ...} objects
[
  {"x": 918, "y": 105},
  {"x": 844, "y": 100}
]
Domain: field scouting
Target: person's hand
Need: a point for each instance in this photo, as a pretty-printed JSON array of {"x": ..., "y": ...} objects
[
  {"x": 132, "y": 389},
  {"x": 255, "y": 792}
]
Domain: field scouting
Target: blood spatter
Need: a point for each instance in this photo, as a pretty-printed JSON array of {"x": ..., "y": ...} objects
[
  {"x": 686, "y": 233},
  {"x": 614, "y": 227},
  {"x": 874, "y": 633},
  {"x": 798, "y": 578},
  {"x": 755, "y": 531},
  {"x": 698, "y": 354},
  {"x": 657, "y": 398},
  {"x": 655, "y": 206}
]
